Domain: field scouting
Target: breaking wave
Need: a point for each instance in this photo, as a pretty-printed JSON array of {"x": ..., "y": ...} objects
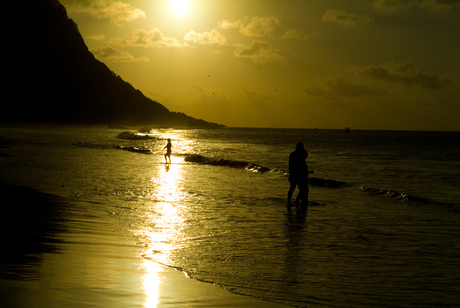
[
  {"x": 136, "y": 136},
  {"x": 398, "y": 196},
  {"x": 197, "y": 158},
  {"x": 314, "y": 181}
]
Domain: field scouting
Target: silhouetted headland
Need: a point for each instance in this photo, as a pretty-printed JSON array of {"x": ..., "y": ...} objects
[{"x": 52, "y": 77}]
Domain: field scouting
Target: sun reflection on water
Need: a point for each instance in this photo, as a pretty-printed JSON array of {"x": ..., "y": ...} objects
[
  {"x": 163, "y": 227},
  {"x": 152, "y": 283}
]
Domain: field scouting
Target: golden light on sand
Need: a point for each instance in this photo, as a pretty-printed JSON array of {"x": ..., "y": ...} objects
[
  {"x": 179, "y": 7},
  {"x": 163, "y": 227},
  {"x": 152, "y": 284}
]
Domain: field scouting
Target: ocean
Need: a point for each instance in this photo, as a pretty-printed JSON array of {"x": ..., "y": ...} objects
[{"x": 382, "y": 228}]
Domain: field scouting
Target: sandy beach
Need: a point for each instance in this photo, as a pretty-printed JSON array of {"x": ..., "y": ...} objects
[{"x": 60, "y": 254}]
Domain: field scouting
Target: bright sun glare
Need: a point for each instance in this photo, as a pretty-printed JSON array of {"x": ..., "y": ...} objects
[{"x": 179, "y": 7}]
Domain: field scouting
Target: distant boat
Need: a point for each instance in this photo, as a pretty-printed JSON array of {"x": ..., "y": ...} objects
[{"x": 347, "y": 129}]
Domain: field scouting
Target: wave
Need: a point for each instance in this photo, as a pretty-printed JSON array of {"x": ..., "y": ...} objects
[
  {"x": 398, "y": 196},
  {"x": 327, "y": 183},
  {"x": 136, "y": 136},
  {"x": 388, "y": 193},
  {"x": 197, "y": 158},
  {"x": 140, "y": 150},
  {"x": 314, "y": 181},
  {"x": 93, "y": 145},
  {"x": 135, "y": 149}
]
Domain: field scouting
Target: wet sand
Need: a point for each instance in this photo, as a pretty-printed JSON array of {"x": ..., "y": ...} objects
[{"x": 61, "y": 254}]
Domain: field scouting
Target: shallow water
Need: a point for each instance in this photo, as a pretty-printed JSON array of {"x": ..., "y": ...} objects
[{"x": 386, "y": 238}]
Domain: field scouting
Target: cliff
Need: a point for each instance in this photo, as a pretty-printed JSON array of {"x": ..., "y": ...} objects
[{"x": 51, "y": 77}]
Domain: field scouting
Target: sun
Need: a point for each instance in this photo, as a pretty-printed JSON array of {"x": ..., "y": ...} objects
[{"x": 179, "y": 7}]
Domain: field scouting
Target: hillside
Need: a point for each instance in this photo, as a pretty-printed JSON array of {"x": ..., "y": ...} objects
[{"x": 51, "y": 77}]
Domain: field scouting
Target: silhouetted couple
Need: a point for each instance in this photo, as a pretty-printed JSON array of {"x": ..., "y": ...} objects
[{"x": 298, "y": 175}]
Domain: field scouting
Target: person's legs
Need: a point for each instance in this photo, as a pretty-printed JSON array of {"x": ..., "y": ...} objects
[
  {"x": 303, "y": 193},
  {"x": 291, "y": 191}
]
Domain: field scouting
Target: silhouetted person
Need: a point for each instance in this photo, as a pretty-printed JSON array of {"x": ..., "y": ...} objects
[
  {"x": 168, "y": 151},
  {"x": 298, "y": 174}
]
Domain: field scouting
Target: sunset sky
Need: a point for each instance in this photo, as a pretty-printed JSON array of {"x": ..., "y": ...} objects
[{"x": 377, "y": 64}]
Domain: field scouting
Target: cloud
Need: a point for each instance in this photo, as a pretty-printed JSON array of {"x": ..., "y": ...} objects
[
  {"x": 405, "y": 73},
  {"x": 109, "y": 53},
  {"x": 117, "y": 12},
  {"x": 148, "y": 39},
  {"x": 264, "y": 27},
  {"x": 344, "y": 18},
  {"x": 394, "y": 5},
  {"x": 297, "y": 34},
  {"x": 227, "y": 24},
  {"x": 339, "y": 87},
  {"x": 259, "y": 52},
  {"x": 256, "y": 27},
  {"x": 97, "y": 37},
  {"x": 440, "y": 4},
  {"x": 260, "y": 26},
  {"x": 455, "y": 80},
  {"x": 206, "y": 38}
]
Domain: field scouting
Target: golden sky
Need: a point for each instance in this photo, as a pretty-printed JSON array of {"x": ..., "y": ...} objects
[{"x": 376, "y": 64}]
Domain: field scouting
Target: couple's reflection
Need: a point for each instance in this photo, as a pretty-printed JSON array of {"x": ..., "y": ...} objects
[
  {"x": 296, "y": 218},
  {"x": 296, "y": 237}
]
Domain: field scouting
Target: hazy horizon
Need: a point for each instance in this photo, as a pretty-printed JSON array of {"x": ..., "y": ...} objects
[{"x": 377, "y": 65}]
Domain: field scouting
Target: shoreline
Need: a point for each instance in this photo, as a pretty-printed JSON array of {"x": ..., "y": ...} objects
[
  {"x": 56, "y": 259},
  {"x": 177, "y": 290}
]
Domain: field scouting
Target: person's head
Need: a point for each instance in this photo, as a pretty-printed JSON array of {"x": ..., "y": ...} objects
[
  {"x": 299, "y": 146},
  {"x": 169, "y": 140}
]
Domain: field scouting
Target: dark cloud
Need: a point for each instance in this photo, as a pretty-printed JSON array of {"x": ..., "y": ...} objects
[
  {"x": 148, "y": 39},
  {"x": 114, "y": 55},
  {"x": 394, "y": 5},
  {"x": 117, "y": 12},
  {"x": 297, "y": 34},
  {"x": 259, "y": 52},
  {"x": 405, "y": 73},
  {"x": 440, "y": 4},
  {"x": 344, "y": 18},
  {"x": 256, "y": 26},
  {"x": 339, "y": 87}
]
